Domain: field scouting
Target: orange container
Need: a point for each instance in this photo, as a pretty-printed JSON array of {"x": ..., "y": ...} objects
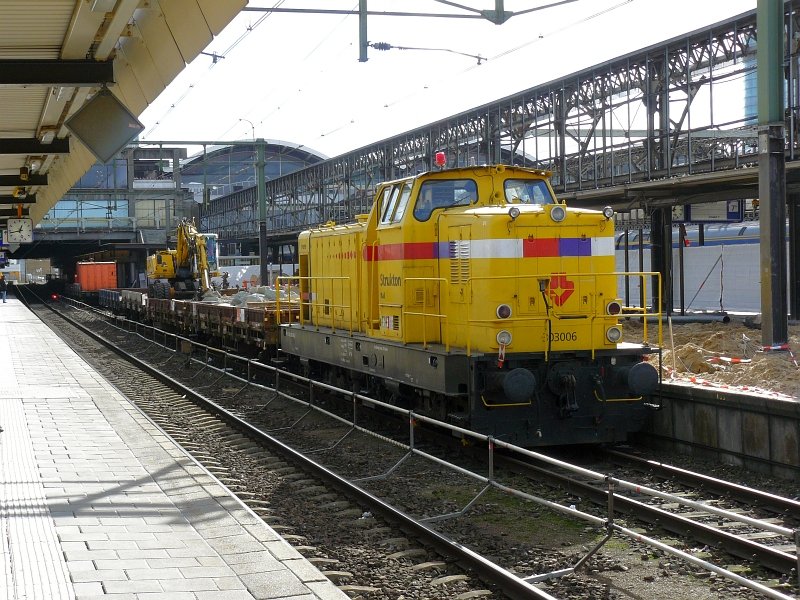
[{"x": 94, "y": 276}]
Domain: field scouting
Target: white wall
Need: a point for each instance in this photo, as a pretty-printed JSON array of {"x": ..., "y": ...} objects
[{"x": 725, "y": 277}]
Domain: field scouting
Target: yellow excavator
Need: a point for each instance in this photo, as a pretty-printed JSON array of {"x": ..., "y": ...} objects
[{"x": 185, "y": 272}]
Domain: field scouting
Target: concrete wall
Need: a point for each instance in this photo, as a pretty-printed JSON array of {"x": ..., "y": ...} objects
[{"x": 759, "y": 433}]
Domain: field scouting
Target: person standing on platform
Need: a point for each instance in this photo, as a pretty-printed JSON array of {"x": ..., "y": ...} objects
[{"x": 3, "y": 287}]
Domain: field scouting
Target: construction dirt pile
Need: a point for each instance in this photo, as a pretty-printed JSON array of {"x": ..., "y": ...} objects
[{"x": 729, "y": 355}]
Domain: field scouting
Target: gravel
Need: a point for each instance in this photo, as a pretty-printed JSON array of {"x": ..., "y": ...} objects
[{"x": 353, "y": 545}]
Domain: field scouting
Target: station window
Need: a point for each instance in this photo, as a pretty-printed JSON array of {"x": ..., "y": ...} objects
[
  {"x": 444, "y": 193},
  {"x": 528, "y": 191},
  {"x": 111, "y": 175}
]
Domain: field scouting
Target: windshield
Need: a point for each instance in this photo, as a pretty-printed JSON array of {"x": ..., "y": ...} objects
[
  {"x": 444, "y": 193},
  {"x": 528, "y": 191}
]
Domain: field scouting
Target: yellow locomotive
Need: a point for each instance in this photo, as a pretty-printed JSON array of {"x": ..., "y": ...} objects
[{"x": 474, "y": 296}]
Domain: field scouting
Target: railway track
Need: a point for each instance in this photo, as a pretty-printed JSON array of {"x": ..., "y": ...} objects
[
  {"x": 765, "y": 501},
  {"x": 234, "y": 393},
  {"x": 209, "y": 431},
  {"x": 719, "y": 514}
]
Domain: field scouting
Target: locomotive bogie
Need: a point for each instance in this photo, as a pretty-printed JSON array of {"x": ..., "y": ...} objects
[{"x": 527, "y": 401}]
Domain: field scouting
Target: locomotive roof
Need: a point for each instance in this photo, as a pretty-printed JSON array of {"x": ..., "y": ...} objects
[{"x": 456, "y": 171}]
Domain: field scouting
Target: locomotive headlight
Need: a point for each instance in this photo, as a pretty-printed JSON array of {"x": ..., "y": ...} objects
[
  {"x": 503, "y": 311},
  {"x": 558, "y": 213},
  {"x": 504, "y": 337},
  {"x": 614, "y": 334},
  {"x": 613, "y": 308},
  {"x": 513, "y": 212},
  {"x": 608, "y": 212}
]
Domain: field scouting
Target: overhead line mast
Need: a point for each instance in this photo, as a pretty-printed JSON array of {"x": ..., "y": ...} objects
[{"x": 772, "y": 172}]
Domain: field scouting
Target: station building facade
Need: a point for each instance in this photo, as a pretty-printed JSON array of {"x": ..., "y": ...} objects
[{"x": 125, "y": 209}]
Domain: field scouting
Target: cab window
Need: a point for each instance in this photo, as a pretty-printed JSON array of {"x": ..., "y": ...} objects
[
  {"x": 402, "y": 204},
  {"x": 444, "y": 193},
  {"x": 386, "y": 197},
  {"x": 528, "y": 191},
  {"x": 390, "y": 203}
]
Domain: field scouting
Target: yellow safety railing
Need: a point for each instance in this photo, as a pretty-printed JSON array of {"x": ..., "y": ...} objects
[
  {"x": 340, "y": 299},
  {"x": 642, "y": 311},
  {"x": 554, "y": 314},
  {"x": 440, "y": 317}
]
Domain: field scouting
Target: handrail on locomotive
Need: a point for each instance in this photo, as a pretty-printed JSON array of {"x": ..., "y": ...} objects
[{"x": 641, "y": 313}]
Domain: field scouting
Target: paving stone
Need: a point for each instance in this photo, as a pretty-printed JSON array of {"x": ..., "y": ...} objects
[
  {"x": 98, "y": 575},
  {"x": 113, "y": 508}
]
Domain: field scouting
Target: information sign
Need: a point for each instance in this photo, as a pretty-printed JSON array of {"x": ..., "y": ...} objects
[{"x": 724, "y": 211}]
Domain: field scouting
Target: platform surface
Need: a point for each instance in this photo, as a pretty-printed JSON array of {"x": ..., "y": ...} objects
[{"x": 97, "y": 502}]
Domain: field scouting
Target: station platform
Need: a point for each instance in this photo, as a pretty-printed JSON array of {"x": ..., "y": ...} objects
[{"x": 97, "y": 502}]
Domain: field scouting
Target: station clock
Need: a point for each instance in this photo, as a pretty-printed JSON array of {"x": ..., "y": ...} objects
[{"x": 20, "y": 231}]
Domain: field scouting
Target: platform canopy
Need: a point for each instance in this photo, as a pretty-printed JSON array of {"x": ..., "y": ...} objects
[{"x": 56, "y": 56}]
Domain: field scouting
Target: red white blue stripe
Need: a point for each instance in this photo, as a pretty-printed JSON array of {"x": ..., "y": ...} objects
[{"x": 494, "y": 248}]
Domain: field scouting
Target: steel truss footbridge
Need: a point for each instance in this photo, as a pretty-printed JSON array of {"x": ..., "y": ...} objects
[{"x": 674, "y": 123}]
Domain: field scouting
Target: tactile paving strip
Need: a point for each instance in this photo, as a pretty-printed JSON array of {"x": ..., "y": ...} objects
[{"x": 34, "y": 567}]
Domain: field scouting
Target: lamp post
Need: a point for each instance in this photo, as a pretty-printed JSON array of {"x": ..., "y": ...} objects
[
  {"x": 253, "y": 133},
  {"x": 261, "y": 195},
  {"x": 252, "y": 127}
]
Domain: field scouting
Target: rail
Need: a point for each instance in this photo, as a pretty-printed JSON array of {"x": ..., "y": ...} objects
[
  {"x": 185, "y": 346},
  {"x": 188, "y": 349}
]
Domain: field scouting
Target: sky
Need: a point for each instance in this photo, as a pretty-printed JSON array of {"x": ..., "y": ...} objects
[{"x": 297, "y": 77}]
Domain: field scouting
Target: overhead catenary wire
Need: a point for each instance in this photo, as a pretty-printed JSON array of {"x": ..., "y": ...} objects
[
  {"x": 570, "y": 25},
  {"x": 274, "y": 109},
  {"x": 564, "y": 28},
  {"x": 386, "y": 46},
  {"x": 215, "y": 60},
  {"x": 296, "y": 84},
  {"x": 445, "y": 80}
]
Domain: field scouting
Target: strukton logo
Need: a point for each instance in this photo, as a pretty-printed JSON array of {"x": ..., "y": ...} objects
[
  {"x": 393, "y": 280},
  {"x": 560, "y": 288}
]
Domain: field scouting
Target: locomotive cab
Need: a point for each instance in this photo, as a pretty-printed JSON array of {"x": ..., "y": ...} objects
[{"x": 420, "y": 249}]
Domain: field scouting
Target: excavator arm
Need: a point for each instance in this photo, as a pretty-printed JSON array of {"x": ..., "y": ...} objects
[{"x": 187, "y": 240}]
